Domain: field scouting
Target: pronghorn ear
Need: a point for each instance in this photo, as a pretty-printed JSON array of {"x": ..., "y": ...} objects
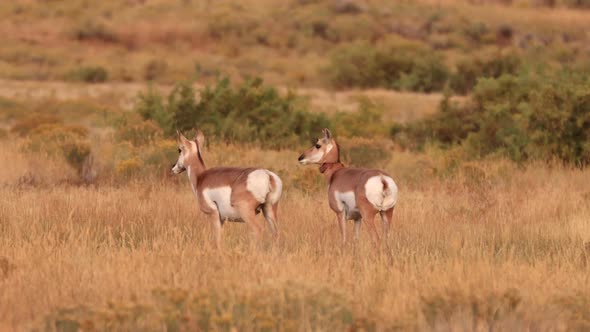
[
  {"x": 200, "y": 139},
  {"x": 327, "y": 133},
  {"x": 182, "y": 139}
]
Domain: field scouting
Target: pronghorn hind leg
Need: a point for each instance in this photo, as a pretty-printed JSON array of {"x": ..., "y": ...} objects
[
  {"x": 368, "y": 213},
  {"x": 270, "y": 214},
  {"x": 386, "y": 217},
  {"x": 248, "y": 214}
]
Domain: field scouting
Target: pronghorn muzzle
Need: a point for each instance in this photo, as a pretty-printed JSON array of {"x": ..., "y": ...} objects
[{"x": 176, "y": 169}]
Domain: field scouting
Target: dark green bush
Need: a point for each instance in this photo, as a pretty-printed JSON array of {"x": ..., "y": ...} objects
[
  {"x": 541, "y": 116},
  {"x": 91, "y": 74},
  {"x": 468, "y": 71},
  {"x": 394, "y": 66},
  {"x": 151, "y": 107},
  {"x": 250, "y": 112},
  {"x": 449, "y": 126}
]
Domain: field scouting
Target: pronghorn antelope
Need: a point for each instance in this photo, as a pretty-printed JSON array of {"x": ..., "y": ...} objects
[
  {"x": 228, "y": 193},
  {"x": 353, "y": 193}
]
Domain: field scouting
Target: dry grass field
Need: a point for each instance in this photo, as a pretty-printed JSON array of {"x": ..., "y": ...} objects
[{"x": 488, "y": 247}]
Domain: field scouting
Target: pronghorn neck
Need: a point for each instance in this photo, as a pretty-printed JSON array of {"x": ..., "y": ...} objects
[
  {"x": 328, "y": 169},
  {"x": 194, "y": 170}
]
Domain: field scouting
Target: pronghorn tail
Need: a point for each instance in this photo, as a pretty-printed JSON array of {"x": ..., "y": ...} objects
[
  {"x": 275, "y": 188},
  {"x": 389, "y": 193}
]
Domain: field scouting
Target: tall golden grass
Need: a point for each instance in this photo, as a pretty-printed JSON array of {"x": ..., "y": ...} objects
[{"x": 487, "y": 246}]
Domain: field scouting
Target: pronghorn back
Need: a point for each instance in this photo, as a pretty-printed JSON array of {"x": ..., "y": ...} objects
[{"x": 222, "y": 188}]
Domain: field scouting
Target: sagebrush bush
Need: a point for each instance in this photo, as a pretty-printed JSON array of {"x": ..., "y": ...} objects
[
  {"x": 290, "y": 306},
  {"x": 61, "y": 141},
  {"x": 25, "y": 125},
  {"x": 139, "y": 134},
  {"x": 129, "y": 167}
]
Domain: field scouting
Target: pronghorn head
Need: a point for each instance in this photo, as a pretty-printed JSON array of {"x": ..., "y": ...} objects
[
  {"x": 189, "y": 152},
  {"x": 325, "y": 150}
]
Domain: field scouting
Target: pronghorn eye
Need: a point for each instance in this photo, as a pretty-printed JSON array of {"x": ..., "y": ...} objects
[
  {"x": 179, "y": 150},
  {"x": 317, "y": 146}
]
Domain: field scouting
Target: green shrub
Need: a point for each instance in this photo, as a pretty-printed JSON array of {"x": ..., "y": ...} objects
[
  {"x": 91, "y": 74},
  {"x": 541, "y": 116},
  {"x": 470, "y": 70},
  {"x": 449, "y": 126},
  {"x": 250, "y": 112},
  {"x": 356, "y": 66},
  {"x": 400, "y": 66},
  {"x": 367, "y": 121},
  {"x": 151, "y": 107}
]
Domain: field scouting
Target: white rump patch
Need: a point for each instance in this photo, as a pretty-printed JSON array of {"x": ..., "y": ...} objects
[
  {"x": 346, "y": 201},
  {"x": 381, "y": 199},
  {"x": 219, "y": 198},
  {"x": 275, "y": 195},
  {"x": 258, "y": 183}
]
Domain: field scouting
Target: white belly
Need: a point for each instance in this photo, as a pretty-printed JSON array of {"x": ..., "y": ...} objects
[
  {"x": 346, "y": 201},
  {"x": 219, "y": 199}
]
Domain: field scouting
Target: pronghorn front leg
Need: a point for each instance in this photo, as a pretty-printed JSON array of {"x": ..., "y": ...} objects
[
  {"x": 368, "y": 214},
  {"x": 270, "y": 214},
  {"x": 248, "y": 214},
  {"x": 386, "y": 217}
]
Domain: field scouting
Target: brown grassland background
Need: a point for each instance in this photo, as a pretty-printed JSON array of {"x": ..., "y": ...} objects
[{"x": 476, "y": 244}]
